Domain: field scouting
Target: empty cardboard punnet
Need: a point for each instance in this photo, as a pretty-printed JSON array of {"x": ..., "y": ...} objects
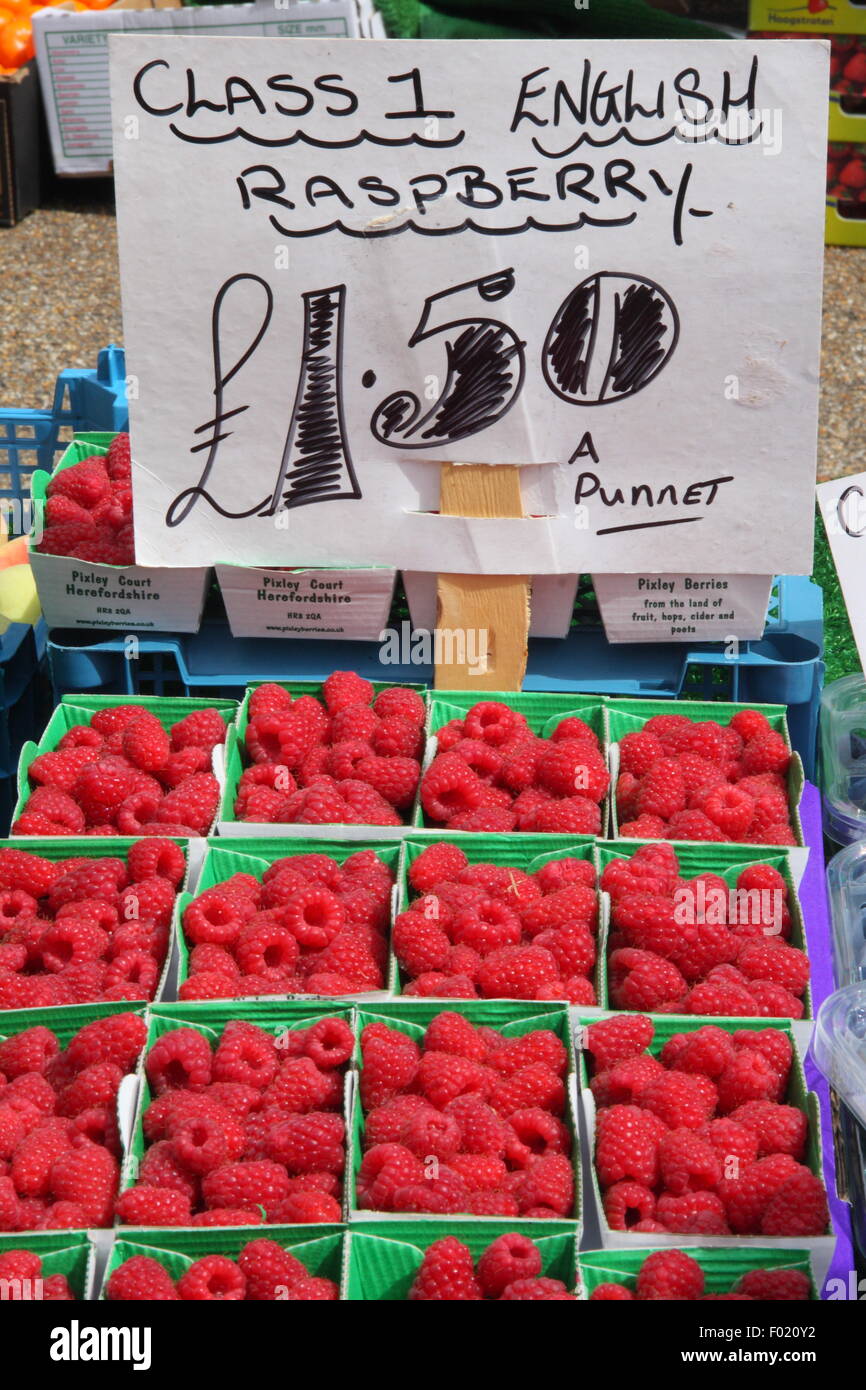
[
  {"x": 513, "y": 1019},
  {"x": 126, "y": 598},
  {"x": 820, "y": 1247},
  {"x": 225, "y": 857},
  {"x": 231, "y": 762}
]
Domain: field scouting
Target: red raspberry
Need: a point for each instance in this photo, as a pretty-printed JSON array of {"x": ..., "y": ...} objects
[
  {"x": 203, "y": 728},
  {"x": 344, "y": 688},
  {"x": 154, "y": 858},
  {"x": 145, "y": 742},
  {"x": 782, "y": 965},
  {"x": 491, "y": 820},
  {"x": 797, "y": 1208},
  {"x": 745, "y": 1196},
  {"x": 28, "y": 1051},
  {"x": 573, "y": 766},
  {"x": 419, "y": 944},
  {"x": 727, "y": 807},
  {"x": 763, "y": 878},
  {"x": 153, "y": 1206},
  {"x": 643, "y": 980},
  {"x": 181, "y": 1058},
  {"x": 692, "y": 1213},
  {"x": 546, "y": 1188},
  {"x": 576, "y": 902},
  {"x": 488, "y": 927},
  {"x": 442, "y": 1077},
  {"x": 270, "y": 1271},
  {"x": 245, "y": 1054},
  {"x": 28, "y": 873},
  {"x": 693, "y": 825},
  {"x": 540, "y": 1046},
  {"x": 269, "y": 698},
  {"x": 247, "y": 1185},
  {"x": 510, "y": 1257},
  {"x": 446, "y": 1274},
  {"x": 749, "y": 723},
  {"x": 670, "y": 1274},
  {"x": 193, "y": 803},
  {"x": 626, "y": 1203},
  {"x": 86, "y": 482},
  {"x": 394, "y": 778},
  {"x": 573, "y": 815},
  {"x": 493, "y": 722},
  {"x": 614, "y": 1040},
  {"x": 537, "y": 1290},
  {"x": 734, "y": 1143},
  {"x": 708, "y": 1050},
  {"x": 775, "y": 1285},
  {"x": 68, "y": 942},
  {"x": 773, "y": 1044},
  {"x": 643, "y": 828},
  {"x": 102, "y": 786},
  {"x": 57, "y": 806},
  {"x": 212, "y": 1278},
  {"x": 778, "y": 1128},
  {"x": 398, "y": 737},
  {"x": 560, "y": 873},
  {"x": 627, "y": 1143},
  {"x": 454, "y": 1034},
  {"x": 310, "y": 1143},
  {"x": 638, "y": 752},
  {"x": 161, "y": 1167},
  {"x": 766, "y": 752},
  {"x": 390, "y": 1063},
  {"x": 178, "y": 766},
  {"x": 480, "y": 1172},
  {"x": 688, "y": 1163},
  {"x": 681, "y": 1100},
  {"x": 141, "y": 1279},
  {"x": 400, "y": 701},
  {"x": 435, "y": 863},
  {"x": 516, "y": 972},
  {"x": 662, "y": 790},
  {"x": 719, "y": 998},
  {"x": 747, "y": 1076},
  {"x": 448, "y": 787},
  {"x": 94, "y": 1086},
  {"x": 610, "y": 1293},
  {"x": 86, "y": 1174}
]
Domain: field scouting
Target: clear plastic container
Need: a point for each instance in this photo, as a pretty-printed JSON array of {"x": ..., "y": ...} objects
[
  {"x": 843, "y": 758},
  {"x": 846, "y": 884},
  {"x": 839, "y": 1050}
]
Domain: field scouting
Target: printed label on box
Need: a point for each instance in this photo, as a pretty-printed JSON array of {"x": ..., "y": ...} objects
[
  {"x": 682, "y": 607},
  {"x": 75, "y": 594},
  {"x": 352, "y": 604}
]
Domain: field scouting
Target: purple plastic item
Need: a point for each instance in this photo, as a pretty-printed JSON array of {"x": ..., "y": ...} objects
[{"x": 816, "y": 918}]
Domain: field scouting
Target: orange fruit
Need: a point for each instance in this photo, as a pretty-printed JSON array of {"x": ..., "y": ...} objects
[{"x": 16, "y": 43}]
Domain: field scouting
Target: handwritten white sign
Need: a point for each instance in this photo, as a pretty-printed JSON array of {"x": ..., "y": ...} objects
[
  {"x": 345, "y": 262},
  {"x": 843, "y": 507}
]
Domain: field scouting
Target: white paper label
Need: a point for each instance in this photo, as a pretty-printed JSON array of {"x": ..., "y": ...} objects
[
  {"x": 486, "y": 252},
  {"x": 843, "y": 507},
  {"x": 75, "y": 594},
  {"x": 682, "y": 607},
  {"x": 351, "y": 604}
]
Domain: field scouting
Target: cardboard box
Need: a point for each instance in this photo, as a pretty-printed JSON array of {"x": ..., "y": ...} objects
[
  {"x": 320, "y": 1248},
  {"x": 819, "y": 1247},
  {"x": 351, "y": 605},
  {"x": 22, "y": 144},
  {"x": 230, "y": 762},
  {"x": 512, "y": 1018},
  {"x": 72, "y": 54},
  {"x": 846, "y": 203},
  {"x": 722, "y": 1268},
  {"x": 550, "y": 612},
  {"x": 231, "y": 855},
  {"x": 129, "y": 598},
  {"x": 384, "y": 1257}
]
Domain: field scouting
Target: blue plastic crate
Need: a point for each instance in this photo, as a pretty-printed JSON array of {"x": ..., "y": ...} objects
[
  {"x": 84, "y": 399},
  {"x": 784, "y": 667}
]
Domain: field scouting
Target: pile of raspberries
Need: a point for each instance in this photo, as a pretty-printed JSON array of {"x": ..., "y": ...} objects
[
  {"x": 684, "y": 779},
  {"x": 509, "y": 1270},
  {"x": 491, "y": 773},
  {"x": 683, "y": 946},
  {"x": 672, "y": 1274},
  {"x": 699, "y": 1140},
  {"x": 353, "y": 758},
  {"x": 248, "y": 1131},
  {"x": 124, "y": 774},
  {"x": 466, "y": 1121},
  {"x": 311, "y": 926},
  {"x": 59, "y": 1145},
  {"x": 75, "y": 931},
  {"x": 22, "y": 1280},
  {"x": 264, "y": 1272},
  {"x": 496, "y": 932},
  {"x": 88, "y": 510}
]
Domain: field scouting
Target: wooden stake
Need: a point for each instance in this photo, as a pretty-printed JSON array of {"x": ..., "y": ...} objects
[{"x": 475, "y": 604}]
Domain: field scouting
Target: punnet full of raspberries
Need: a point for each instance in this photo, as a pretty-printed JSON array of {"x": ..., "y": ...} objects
[
  {"x": 76, "y": 931},
  {"x": 696, "y": 779},
  {"x": 695, "y": 946},
  {"x": 88, "y": 509},
  {"x": 352, "y": 757},
  {"x": 59, "y": 1143},
  {"x": 491, "y": 773},
  {"x": 487, "y": 930},
  {"x": 23, "y": 1280},
  {"x": 508, "y": 1270},
  {"x": 702, "y": 1138},
  {"x": 127, "y": 772},
  {"x": 310, "y": 926},
  {"x": 467, "y": 1121},
  {"x": 672, "y": 1274},
  {"x": 242, "y": 1129},
  {"x": 265, "y": 1271}
]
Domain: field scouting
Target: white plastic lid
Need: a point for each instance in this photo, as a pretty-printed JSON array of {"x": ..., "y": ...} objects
[{"x": 839, "y": 1046}]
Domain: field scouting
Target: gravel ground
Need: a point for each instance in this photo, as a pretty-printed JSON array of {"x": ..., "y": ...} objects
[{"x": 60, "y": 303}]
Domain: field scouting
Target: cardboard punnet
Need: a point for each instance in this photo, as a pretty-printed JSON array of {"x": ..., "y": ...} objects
[
  {"x": 325, "y": 604},
  {"x": 71, "y": 1253},
  {"x": 59, "y": 847},
  {"x": 383, "y": 1258},
  {"x": 130, "y": 598},
  {"x": 513, "y": 1019},
  {"x": 543, "y": 711},
  {"x": 320, "y": 1248},
  {"x": 80, "y": 709},
  {"x": 820, "y": 1247},
  {"x": 276, "y": 1016},
  {"x": 722, "y": 1268},
  {"x": 553, "y": 597},
  {"x": 231, "y": 761},
  {"x": 627, "y": 716},
  {"x": 224, "y": 857},
  {"x": 726, "y": 860},
  {"x": 526, "y": 852}
]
